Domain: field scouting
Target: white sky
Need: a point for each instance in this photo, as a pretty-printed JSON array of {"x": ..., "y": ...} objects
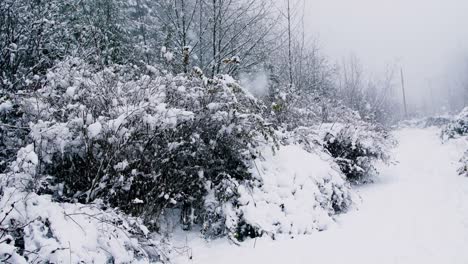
[{"x": 425, "y": 37}]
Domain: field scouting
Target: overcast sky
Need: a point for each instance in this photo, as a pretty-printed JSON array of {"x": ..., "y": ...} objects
[{"x": 425, "y": 37}]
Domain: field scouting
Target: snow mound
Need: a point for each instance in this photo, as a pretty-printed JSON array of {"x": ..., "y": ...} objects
[
  {"x": 299, "y": 192},
  {"x": 35, "y": 229}
]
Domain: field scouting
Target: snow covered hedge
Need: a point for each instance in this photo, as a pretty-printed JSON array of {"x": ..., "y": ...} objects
[
  {"x": 324, "y": 124},
  {"x": 457, "y": 127},
  {"x": 144, "y": 142},
  {"x": 12, "y": 132},
  {"x": 357, "y": 147},
  {"x": 34, "y": 229},
  {"x": 296, "y": 192},
  {"x": 150, "y": 144},
  {"x": 463, "y": 170}
]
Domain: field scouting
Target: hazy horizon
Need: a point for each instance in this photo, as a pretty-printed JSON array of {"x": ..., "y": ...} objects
[{"x": 427, "y": 38}]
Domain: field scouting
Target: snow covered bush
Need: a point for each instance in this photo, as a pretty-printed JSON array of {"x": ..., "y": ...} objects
[
  {"x": 356, "y": 148},
  {"x": 463, "y": 170},
  {"x": 102, "y": 114},
  {"x": 458, "y": 127},
  {"x": 142, "y": 140},
  {"x": 148, "y": 143},
  {"x": 295, "y": 192},
  {"x": 455, "y": 130},
  {"x": 355, "y": 144},
  {"x": 12, "y": 130},
  {"x": 34, "y": 229}
]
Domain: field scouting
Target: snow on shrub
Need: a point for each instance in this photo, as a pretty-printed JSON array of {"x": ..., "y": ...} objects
[
  {"x": 356, "y": 147},
  {"x": 12, "y": 132},
  {"x": 463, "y": 170},
  {"x": 153, "y": 144},
  {"x": 458, "y": 127},
  {"x": 354, "y": 142},
  {"x": 34, "y": 229},
  {"x": 144, "y": 142},
  {"x": 295, "y": 192}
]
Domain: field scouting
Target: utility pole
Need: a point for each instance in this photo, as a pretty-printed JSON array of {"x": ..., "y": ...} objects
[{"x": 404, "y": 94}]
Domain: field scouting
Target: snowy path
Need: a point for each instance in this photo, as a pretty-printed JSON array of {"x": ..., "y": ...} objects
[{"x": 416, "y": 213}]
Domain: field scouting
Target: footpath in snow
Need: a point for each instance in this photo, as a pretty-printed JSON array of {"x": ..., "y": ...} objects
[{"x": 416, "y": 212}]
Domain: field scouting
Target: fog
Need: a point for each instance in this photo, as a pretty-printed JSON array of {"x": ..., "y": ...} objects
[{"x": 427, "y": 38}]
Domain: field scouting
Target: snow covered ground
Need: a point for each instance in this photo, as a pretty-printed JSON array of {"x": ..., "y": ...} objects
[{"x": 416, "y": 212}]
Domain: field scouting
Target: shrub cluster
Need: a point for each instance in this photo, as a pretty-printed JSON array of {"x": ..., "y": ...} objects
[
  {"x": 457, "y": 127},
  {"x": 356, "y": 148},
  {"x": 140, "y": 139},
  {"x": 34, "y": 229}
]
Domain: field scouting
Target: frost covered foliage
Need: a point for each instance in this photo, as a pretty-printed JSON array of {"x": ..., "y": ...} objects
[
  {"x": 149, "y": 143},
  {"x": 458, "y": 127},
  {"x": 12, "y": 133},
  {"x": 356, "y": 145},
  {"x": 356, "y": 148},
  {"x": 33, "y": 229},
  {"x": 463, "y": 170},
  {"x": 295, "y": 192},
  {"x": 142, "y": 142}
]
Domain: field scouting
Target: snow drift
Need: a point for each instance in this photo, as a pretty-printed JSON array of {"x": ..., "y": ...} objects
[
  {"x": 297, "y": 193},
  {"x": 35, "y": 229}
]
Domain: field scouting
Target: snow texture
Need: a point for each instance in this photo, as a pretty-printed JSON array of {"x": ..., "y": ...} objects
[
  {"x": 298, "y": 194},
  {"x": 65, "y": 233},
  {"x": 5, "y": 106}
]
